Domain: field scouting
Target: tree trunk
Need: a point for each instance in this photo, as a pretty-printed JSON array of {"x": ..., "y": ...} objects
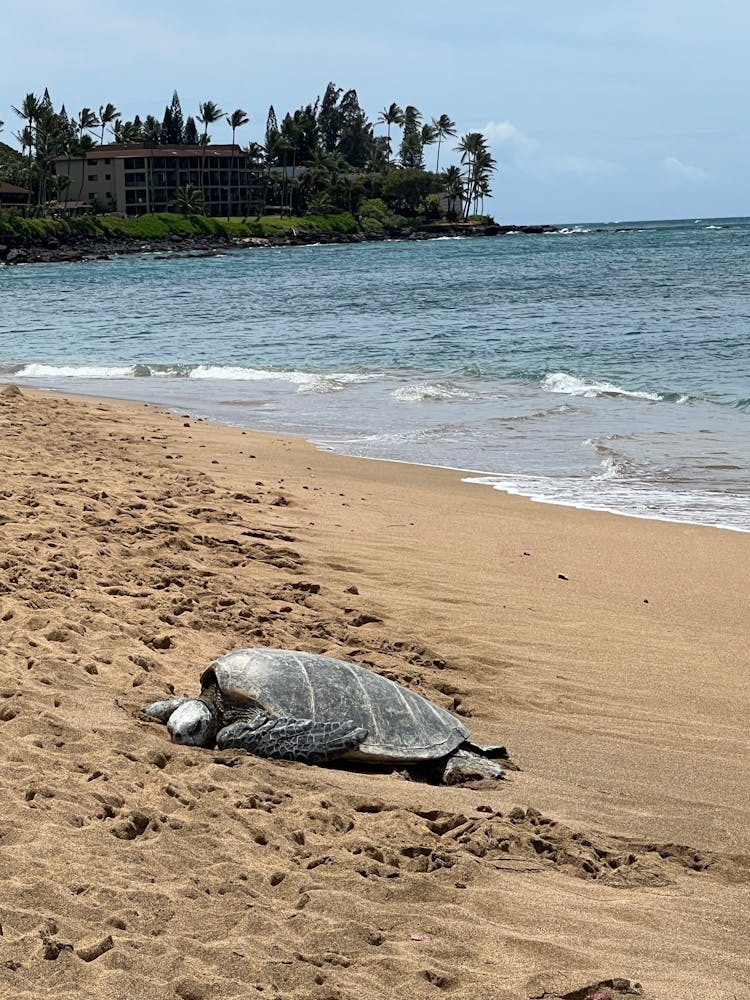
[{"x": 229, "y": 192}]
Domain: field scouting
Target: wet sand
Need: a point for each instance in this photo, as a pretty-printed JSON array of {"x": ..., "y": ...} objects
[{"x": 609, "y": 654}]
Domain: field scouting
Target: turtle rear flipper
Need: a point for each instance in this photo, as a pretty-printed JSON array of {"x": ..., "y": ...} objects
[
  {"x": 462, "y": 765},
  {"x": 292, "y": 739},
  {"x": 494, "y": 752}
]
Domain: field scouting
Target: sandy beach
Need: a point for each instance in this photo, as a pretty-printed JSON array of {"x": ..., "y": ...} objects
[{"x": 609, "y": 654}]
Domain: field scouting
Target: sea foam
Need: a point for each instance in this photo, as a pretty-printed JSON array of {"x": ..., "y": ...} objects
[
  {"x": 305, "y": 381},
  {"x": 431, "y": 391},
  {"x": 75, "y": 371},
  {"x": 573, "y": 386},
  {"x": 611, "y": 493}
]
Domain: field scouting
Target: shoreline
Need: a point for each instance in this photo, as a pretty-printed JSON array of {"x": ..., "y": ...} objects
[
  {"x": 609, "y": 654},
  {"x": 469, "y": 477},
  {"x": 16, "y": 250}
]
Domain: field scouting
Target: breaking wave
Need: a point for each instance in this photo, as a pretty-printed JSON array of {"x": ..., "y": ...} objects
[
  {"x": 432, "y": 391},
  {"x": 613, "y": 463},
  {"x": 573, "y": 386},
  {"x": 305, "y": 381}
]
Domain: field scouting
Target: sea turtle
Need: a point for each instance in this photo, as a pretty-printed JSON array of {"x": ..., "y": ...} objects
[{"x": 287, "y": 705}]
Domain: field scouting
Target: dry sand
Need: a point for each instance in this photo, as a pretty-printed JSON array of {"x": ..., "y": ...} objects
[{"x": 609, "y": 654}]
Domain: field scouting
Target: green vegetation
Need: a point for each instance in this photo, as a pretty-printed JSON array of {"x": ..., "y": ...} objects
[
  {"x": 167, "y": 224},
  {"x": 12, "y": 165},
  {"x": 320, "y": 161}
]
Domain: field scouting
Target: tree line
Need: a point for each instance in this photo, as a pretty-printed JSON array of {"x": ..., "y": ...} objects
[{"x": 345, "y": 162}]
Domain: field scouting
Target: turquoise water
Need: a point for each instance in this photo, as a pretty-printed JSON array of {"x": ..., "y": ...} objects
[{"x": 606, "y": 369}]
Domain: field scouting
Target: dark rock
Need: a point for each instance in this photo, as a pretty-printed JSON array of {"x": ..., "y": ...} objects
[{"x": 66, "y": 248}]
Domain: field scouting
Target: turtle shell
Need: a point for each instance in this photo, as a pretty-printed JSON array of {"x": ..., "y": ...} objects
[{"x": 401, "y": 725}]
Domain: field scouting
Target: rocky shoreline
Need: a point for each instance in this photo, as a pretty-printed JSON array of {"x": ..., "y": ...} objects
[{"x": 53, "y": 250}]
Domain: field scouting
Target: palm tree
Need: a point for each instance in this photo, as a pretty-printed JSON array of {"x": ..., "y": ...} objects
[
  {"x": 87, "y": 121},
  {"x": 208, "y": 113},
  {"x": 125, "y": 132},
  {"x": 320, "y": 204},
  {"x": 411, "y": 141},
  {"x": 468, "y": 144},
  {"x": 443, "y": 127},
  {"x": 479, "y": 164},
  {"x": 152, "y": 130},
  {"x": 257, "y": 156},
  {"x": 70, "y": 148},
  {"x": 256, "y": 152},
  {"x": 428, "y": 134},
  {"x": 49, "y": 144},
  {"x": 151, "y": 135},
  {"x": 29, "y": 111},
  {"x": 412, "y": 116},
  {"x": 484, "y": 165},
  {"x": 483, "y": 189},
  {"x": 107, "y": 115},
  {"x": 454, "y": 187},
  {"x": 347, "y": 189},
  {"x": 25, "y": 139},
  {"x": 285, "y": 145},
  {"x": 60, "y": 184},
  {"x": 189, "y": 200},
  {"x": 85, "y": 143},
  {"x": 392, "y": 115},
  {"x": 236, "y": 120}
]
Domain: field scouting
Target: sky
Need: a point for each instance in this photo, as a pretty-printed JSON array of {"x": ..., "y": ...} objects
[{"x": 595, "y": 110}]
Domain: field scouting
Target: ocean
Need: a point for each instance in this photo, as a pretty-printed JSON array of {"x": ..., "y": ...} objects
[{"x": 605, "y": 366}]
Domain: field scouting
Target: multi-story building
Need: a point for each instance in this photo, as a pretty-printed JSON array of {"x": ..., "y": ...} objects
[{"x": 136, "y": 178}]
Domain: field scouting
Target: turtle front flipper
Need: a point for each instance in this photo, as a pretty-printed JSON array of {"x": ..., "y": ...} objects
[{"x": 292, "y": 739}]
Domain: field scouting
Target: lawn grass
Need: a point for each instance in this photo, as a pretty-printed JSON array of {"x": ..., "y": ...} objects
[{"x": 164, "y": 225}]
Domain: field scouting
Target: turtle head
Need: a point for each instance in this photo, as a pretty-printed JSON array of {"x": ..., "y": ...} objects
[
  {"x": 161, "y": 710},
  {"x": 195, "y": 723}
]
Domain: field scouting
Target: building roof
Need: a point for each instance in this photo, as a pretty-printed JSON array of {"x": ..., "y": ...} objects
[
  {"x": 6, "y": 188},
  {"x": 118, "y": 150}
]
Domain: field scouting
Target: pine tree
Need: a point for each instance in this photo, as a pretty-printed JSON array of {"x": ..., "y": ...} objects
[
  {"x": 166, "y": 127},
  {"x": 329, "y": 118},
  {"x": 272, "y": 128},
  {"x": 190, "y": 136},
  {"x": 177, "y": 131},
  {"x": 355, "y": 141}
]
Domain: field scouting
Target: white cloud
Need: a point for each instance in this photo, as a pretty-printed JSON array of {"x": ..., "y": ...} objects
[
  {"x": 516, "y": 149},
  {"x": 506, "y": 132},
  {"x": 678, "y": 170}
]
